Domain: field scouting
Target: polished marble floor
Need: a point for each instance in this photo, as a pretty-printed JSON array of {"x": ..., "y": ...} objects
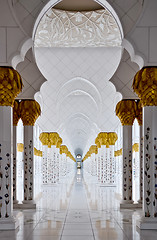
[{"x": 78, "y": 209}]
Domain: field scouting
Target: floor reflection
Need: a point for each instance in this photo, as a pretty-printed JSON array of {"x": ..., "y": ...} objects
[{"x": 78, "y": 209}]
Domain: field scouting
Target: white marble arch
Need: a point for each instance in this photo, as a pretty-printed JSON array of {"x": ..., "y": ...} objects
[{"x": 80, "y": 86}]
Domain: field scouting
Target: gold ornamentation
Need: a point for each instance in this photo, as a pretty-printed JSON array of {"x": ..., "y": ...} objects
[
  {"x": 112, "y": 138},
  {"x": 63, "y": 149},
  {"x": 44, "y": 138},
  {"x": 10, "y": 86},
  {"x": 135, "y": 147},
  {"x": 103, "y": 136},
  {"x": 126, "y": 111},
  {"x": 93, "y": 149},
  {"x": 53, "y": 137},
  {"x": 59, "y": 142},
  {"x": 145, "y": 85},
  {"x": 97, "y": 142},
  {"x": 37, "y": 152},
  {"x": 20, "y": 147},
  {"x": 30, "y": 111},
  {"x": 118, "y": 153},
  {"x": 16, "y": 112},
  {"x": 139, "y": 112}
]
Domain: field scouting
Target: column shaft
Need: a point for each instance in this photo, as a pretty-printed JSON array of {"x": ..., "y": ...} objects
[
  {"x": 29, "y": 167},
  {"x": 6, "y": 170},
  {"x": 127, "y": 165}
]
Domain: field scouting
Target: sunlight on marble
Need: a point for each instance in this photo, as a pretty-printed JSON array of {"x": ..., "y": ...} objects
[{"x": 78, "y": 209}]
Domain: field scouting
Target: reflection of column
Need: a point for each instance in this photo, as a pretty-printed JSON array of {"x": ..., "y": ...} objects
[
  {"x": 16, "y": 117},
  {"x": 145, "y": 85},
  {"x": 10, "y": 87},
  {"x": 30, "y": 111},
  {"x": 125, "y": 110}
]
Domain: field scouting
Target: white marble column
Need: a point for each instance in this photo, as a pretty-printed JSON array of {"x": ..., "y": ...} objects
[
  {"x": 7, "y": 221},
  {"x": 28, "y": 168},
  {"x": 99, "y": 164},
  {"x": 112, "y": 165},
  {"x": 140, "y": 201},
  {"x": 103, "y": 165},
  {"x": 57, "y": 165},
  {"x": 149, "y": 220},
  {"x": 127, "y": 167},
  {"x": 44, "y": 164},
  {"x": 15, "y": 201}
]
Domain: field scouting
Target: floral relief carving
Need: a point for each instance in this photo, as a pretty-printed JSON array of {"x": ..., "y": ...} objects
[
  {"x": 1, "y": 177},
  {"x": 155, "y": 177},
  {"x": 147, "y": 173},
  {"x": 60, "y": 28}
]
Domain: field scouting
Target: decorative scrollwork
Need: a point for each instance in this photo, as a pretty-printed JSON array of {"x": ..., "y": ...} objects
[{"x": 60, "y": 28}]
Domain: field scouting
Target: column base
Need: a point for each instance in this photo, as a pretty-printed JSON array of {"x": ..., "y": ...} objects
[
  {"x": 9, "y": 224},
  {"x": 15, "y": 202},
  {"x": 27, "y": 204},
  {"x": 146, "y": 223},
  {"x": 129, "y": 204},
  {"x": 107, "y": 185}
]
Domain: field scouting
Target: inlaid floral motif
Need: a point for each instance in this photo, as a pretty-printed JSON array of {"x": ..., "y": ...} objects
[
  {"x": 147, "y": 173},
  {"x": 155, "y": 177},
  {"x": 1, "y": 177},
  {"x": 7, "y": 179}
]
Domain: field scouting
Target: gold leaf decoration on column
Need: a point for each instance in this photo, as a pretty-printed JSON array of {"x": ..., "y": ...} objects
[
  {"x": 63, "y": 149},
  {"x": 10, "y": 85},
  {"x": 145, "y": 85},
  {"x": 118, "y": 153},
  {"x": 139, "y": 112},
  {"x": 112, "y": 138},
  {"x": 93, "y": 149},
  {"x": 126, "y": 111},
  {"x": 97, "y": 142},
  {"x": 20, "y": 147},
  {"x": 30, "y": 111},
  {"x": 103, "y": 136},
  {"x": 16, "y": 112},
  {"x": 53, "y": 137},
  {"x": 44, "y": 138},
  {"x": 59, "y": 142},
  {"x": 135, "y": 147}
]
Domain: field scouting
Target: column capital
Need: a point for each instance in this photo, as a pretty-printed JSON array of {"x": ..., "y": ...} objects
[
  {"x": 53, "y": 137},
  {"x": 63, "y": 149},
  {"x": 44, "y": 138},
  {"x": 30, "y": 111},
  {"x": 145, "y": 85},
  {"x": 59, "y": 142},
  {"x": 139, "y": 112},
  {"x": 112, "y": 138},
  {"x": 93, "y": 149},
  {"x": 16, "y": 112},
  {"x": 10, "y": 86},
  {"x": 125, "y": 110},
  {"x": 20, "y": 147},
  {"x": 103, "y": 136},
  {"x": 135, "y": 147},
  {"x": 97, "y": 142}
]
